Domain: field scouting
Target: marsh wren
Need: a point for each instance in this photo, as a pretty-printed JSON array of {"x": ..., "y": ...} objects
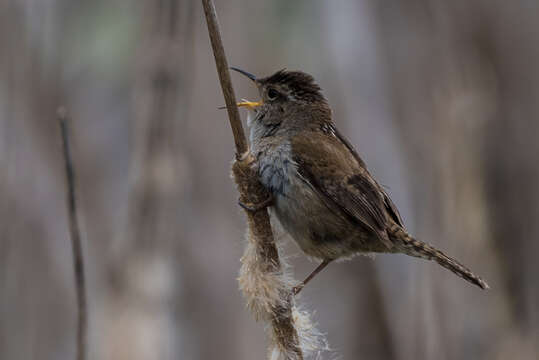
[{"x": 321, "y": 191}]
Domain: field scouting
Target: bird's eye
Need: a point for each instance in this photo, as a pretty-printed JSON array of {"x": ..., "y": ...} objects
[{"x": 272, "y": 94}]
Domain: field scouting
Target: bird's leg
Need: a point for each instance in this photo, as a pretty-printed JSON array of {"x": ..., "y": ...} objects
[
  {"x": 256, "y": 207},
  {"x": 320, "y": 267}
]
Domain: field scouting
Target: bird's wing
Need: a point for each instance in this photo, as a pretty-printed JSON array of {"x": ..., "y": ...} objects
[
  {"x": 391, "y": 208},
  {"x": 342, "y": 181}
]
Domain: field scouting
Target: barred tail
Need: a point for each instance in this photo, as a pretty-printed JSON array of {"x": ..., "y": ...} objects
[{"x": 410, "y": 246}]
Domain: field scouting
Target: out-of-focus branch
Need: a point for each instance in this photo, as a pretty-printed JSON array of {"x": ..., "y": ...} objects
[
  {"x": 262, "y": 281},
  {"x": 78, "y": 260},
  {"x": 152, "y": 241}
]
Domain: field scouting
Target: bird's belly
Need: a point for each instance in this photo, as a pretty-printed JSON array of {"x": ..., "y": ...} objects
[{"x": 317, "y": 230}]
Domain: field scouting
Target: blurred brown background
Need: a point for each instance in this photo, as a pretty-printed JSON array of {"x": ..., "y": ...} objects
[{"x": 441, "y": 99}]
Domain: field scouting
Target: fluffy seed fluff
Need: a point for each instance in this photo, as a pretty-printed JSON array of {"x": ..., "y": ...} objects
[{"x": 291, "y": 333}]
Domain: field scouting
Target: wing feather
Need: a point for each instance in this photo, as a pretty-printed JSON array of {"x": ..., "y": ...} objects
[
  {"x": 342, "y": 181},
  {"x": 389, "y": 205}
]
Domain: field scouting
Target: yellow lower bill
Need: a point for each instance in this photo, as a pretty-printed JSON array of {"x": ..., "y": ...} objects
[{"x": 249, "y": 104}]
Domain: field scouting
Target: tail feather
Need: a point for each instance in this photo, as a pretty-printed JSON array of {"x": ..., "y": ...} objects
[{"x": 410, "y": 246}]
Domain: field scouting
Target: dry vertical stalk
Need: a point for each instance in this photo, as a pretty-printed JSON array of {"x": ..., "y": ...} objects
[
  {"x": 224, "y": 77},
  {"x": 78, "y": 260},
  {"x": 267, "y": 289}
]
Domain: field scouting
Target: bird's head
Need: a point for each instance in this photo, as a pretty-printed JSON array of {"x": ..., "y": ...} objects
[{"x": 290, "y": 101}]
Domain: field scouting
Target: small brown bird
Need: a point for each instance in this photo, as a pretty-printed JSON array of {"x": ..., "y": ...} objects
[{"x": 322, "y": 193}]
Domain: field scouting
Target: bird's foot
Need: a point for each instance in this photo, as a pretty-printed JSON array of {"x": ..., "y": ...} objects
[
  {"x": 256, "y": 207},
  {"x": 296, "y": 289}
]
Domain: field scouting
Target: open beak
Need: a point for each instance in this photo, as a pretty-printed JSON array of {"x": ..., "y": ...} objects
[{"x": 245, "y": 103}]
